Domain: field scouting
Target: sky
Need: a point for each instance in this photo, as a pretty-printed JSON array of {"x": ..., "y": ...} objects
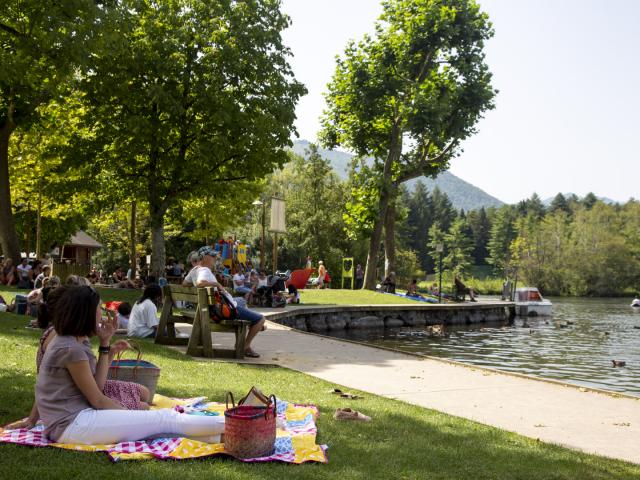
[{"x": 567, "y": 113}]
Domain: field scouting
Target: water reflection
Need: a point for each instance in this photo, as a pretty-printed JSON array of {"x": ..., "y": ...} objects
[{"x": 576, "y": 345}]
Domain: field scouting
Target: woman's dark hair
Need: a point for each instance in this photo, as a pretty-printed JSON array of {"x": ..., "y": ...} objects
[
  {"x": 75, "y": 311},
  {"x": 151, "y": 292},
  {"x": 50, "y": 296},
  {"x": 124, "y": 309}
]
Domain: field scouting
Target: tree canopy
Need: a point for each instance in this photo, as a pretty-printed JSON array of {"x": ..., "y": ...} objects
[
  {"x": 42, "y": 44},
  {"x": 407, "y": 97},
  {"x": 190, "y": 96}
]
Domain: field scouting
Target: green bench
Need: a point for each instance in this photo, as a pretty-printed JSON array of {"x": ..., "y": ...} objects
[{"x": 199, "y": 343}]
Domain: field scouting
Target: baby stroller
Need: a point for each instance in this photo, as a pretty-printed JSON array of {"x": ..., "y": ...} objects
[{"x": 273, "y": 296}]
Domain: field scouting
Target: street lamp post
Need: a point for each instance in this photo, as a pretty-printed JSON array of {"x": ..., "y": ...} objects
[
  {"x": 260, "y": 203},
  {"x": 440, "y": 250}
]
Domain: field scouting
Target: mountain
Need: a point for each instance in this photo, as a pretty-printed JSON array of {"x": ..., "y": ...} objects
[{"x": 462, "y": 194}]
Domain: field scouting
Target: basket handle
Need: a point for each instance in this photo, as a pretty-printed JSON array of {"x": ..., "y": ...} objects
[
  {"x": 272, "y": 401},
  {"x": 118, "y": 358},
  {"x": 233, "y": 403}
]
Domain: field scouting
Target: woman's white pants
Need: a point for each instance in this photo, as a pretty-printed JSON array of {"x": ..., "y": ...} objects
[{"x": 93, "y": 427}]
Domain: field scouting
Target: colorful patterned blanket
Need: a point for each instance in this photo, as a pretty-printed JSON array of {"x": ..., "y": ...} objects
[{"x": 295, "y": 437}]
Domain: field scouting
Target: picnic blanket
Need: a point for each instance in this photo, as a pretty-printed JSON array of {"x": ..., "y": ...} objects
[
  {"x": 425, "y": 297},
  {"x": 295, "y": 442}
]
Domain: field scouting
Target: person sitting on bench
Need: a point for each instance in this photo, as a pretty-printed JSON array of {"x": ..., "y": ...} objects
[
  {"x": 205, "y": 278},
  {"x": 462, "y": 290}
]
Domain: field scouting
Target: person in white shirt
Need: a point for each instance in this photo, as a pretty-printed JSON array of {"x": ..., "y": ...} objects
[
  {"x": 24, "y": 274},
  {"x": 239, "y": 283},
  {"x": 206, "y": 278},
  {"x": 143, "y": 321},
  {"x": 38, "y": 283}
]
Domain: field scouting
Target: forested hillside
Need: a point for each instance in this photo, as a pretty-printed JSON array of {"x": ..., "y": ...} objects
[{"x": 462, "y": 194}]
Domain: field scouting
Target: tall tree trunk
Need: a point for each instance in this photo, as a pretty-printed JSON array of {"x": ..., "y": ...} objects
[
  {"x": 158, "y": 254},
  {"x": 27, "y": 231},
  {"x": 390, "y": 238},
  {"x": 8, "y": 236},
  {"x": 387, "y": 192},
  {"x": 372, "y": 258},
  {"x": 39, "y": 223},
  {"x": 374, "y": 245},
  {"x": 132, "y": 247}
]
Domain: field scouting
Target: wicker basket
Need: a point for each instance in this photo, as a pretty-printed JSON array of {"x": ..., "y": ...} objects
[
  {"x": 137, "y": 371},
  {"x": 250, "y": 431}
]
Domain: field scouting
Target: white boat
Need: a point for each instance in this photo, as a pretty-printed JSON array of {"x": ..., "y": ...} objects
[
  {"x": 530, "y": 303},
  {"x": 635, "y": 302}
]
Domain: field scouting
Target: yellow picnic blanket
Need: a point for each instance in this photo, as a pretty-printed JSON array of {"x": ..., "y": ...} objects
[{"x": 295, "y": 441}]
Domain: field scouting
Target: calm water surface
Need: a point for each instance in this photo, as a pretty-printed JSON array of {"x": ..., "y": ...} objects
[{"x": 575, "y": 345}]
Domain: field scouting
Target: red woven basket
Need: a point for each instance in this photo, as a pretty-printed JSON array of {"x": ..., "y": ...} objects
[{"x": 250, "y": 431}]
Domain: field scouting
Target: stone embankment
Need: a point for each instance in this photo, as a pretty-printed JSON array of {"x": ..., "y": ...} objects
[{"x": 342, "y": 317}]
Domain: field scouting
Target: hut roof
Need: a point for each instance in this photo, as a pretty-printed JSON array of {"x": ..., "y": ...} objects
[{"x": 82, "y": 239}]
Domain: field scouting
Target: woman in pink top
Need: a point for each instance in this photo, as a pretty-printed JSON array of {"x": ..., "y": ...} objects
[
  {"x": 130, "y": 395},
  {"x": 70, "y": 370}
]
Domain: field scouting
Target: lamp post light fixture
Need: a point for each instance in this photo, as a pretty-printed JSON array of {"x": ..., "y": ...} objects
[
  {"x": 440, "y": 250},
  {"x": 258, "y": 203}
]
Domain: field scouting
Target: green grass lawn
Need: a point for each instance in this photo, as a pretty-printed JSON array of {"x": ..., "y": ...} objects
[
  {"x": 331, "y": 296},
  {"x": 402, "y": 441}
]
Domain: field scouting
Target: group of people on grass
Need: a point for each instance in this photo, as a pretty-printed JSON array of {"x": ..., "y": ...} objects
[
  {"x": 73, "y": 398},
  {"x": 27, "y": 274},
  {"x": 388, "y": 285}
]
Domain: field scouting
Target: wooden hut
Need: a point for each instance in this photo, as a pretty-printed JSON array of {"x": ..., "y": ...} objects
[{"x": 74, "y": 257}]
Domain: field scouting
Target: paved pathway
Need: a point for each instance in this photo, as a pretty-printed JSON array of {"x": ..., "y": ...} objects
[{"x": 598, "y": 423}]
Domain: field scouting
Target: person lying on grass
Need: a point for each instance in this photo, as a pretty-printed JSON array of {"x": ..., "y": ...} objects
[
  {"x": 70, "y": 371},
  {"x": 130, "y": 395}
]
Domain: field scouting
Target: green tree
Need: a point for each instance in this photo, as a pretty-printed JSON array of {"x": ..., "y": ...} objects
[
  {"x": 481, "y": 228},
  {"x": 193, "y": 95},
  {"x": 503, "y": 232},
  {"x": 459, "y": 244},
  {"x": 407, "y": 97},
  {"x": 529, "y": 251},
  {"x": 419, "y": 220},
  {"x": 443, "y": 212},
  {"x": 600, "y": 261},
  {"x": 43, "y": 43},
  {"x": 559, "y": 203},
  {"x": 315, "y": 198},
  {"x": 589, "y": 200},
  {"x": 437, "y": 238}
]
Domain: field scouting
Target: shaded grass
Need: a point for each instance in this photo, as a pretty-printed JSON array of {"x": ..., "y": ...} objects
[
  {"x": 107, "y": 294},
  {"x": 402, "y": 442}
]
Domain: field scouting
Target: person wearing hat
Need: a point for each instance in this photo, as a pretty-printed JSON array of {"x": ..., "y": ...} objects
[{"x": 206, "y": 278}]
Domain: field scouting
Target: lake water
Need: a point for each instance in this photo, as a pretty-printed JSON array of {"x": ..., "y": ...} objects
[{"x": 576, "y": 345}]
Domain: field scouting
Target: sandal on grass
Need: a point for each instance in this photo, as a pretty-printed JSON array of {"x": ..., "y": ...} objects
[
  {"x": 350, "y": 396},
  {"x": 251, "y": 354},
  {"x": 349, "y": 414}
]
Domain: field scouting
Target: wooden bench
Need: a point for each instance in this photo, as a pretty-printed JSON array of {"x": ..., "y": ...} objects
[{"x": 199, "y": 343}]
